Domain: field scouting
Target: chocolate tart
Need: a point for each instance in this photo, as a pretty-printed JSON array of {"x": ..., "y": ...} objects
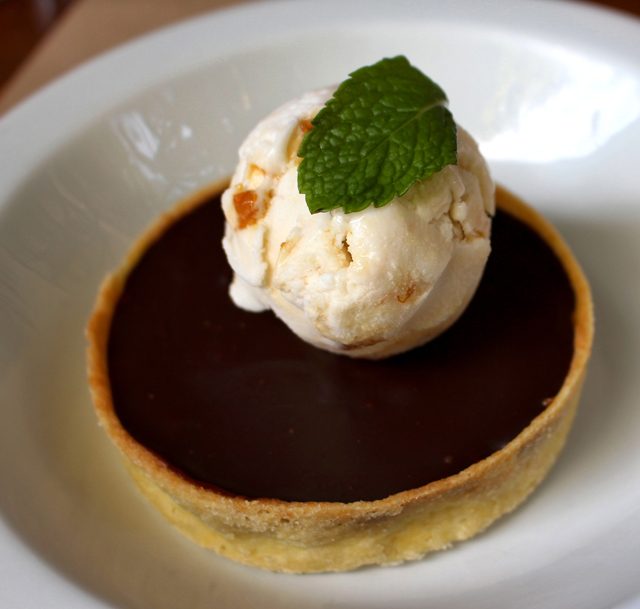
[{"x": 284, "y": 457}]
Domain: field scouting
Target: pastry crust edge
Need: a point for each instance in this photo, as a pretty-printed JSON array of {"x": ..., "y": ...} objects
[{"x": 306, "y": 537}]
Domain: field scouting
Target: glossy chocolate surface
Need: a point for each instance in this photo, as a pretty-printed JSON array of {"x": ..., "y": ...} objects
[{"x": 234, "y": 400}]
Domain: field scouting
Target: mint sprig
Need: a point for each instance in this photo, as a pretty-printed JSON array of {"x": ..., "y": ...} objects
[{"x": 385, "y": 128}]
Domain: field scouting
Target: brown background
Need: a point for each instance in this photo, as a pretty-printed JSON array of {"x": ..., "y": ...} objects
[{"x": 41, "y": 39}]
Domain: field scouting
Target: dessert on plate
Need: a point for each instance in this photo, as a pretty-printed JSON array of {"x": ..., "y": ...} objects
[{"x": 404, "y": 432}]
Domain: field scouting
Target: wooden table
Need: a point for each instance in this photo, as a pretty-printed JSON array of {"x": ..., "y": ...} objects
[{"x": 88, "y": 27}]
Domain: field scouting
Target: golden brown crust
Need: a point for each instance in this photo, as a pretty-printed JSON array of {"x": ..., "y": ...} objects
[{"x": 310, "y": 537}]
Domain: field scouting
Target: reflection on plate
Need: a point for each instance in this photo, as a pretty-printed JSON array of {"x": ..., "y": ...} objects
[{"x": 95, "y": 157}]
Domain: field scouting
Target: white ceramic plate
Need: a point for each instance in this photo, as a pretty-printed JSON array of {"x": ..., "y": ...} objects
[{"x": 551, "y": 91}]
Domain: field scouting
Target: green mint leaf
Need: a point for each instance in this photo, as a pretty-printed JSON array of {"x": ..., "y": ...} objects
[{"x": 385, "y": 128}]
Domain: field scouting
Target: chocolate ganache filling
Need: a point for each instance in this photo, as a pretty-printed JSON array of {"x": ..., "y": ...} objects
[{"x": 235, "y": 401}]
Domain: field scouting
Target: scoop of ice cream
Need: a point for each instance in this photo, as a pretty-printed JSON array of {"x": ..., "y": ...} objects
[{"x": 367, "y": 284}]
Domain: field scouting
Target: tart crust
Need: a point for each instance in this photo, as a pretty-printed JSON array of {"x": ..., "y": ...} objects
[{"x": 305, "y": 537}]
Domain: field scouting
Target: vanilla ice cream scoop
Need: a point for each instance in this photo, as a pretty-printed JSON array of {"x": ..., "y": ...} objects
[{"x": 367, "y": 284}]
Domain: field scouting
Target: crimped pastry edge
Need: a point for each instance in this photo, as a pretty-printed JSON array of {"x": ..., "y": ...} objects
[{"x": 305, "y": 537}]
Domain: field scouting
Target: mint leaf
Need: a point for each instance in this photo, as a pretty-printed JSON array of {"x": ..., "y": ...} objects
[{"x": 385, "y": 128}]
